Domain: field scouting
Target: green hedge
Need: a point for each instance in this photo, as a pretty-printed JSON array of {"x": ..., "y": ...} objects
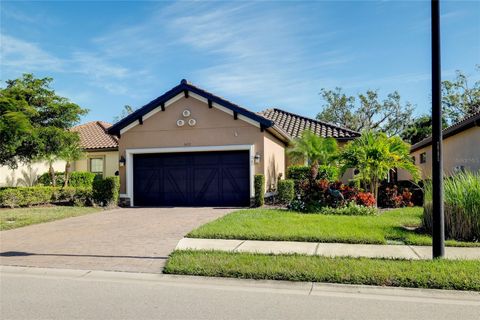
[
  {"x": 106, "y": 191},
  {"x": 31, "y": 196},
  {"x": 297, "y": 172},
  {"x": 47, "y": 181},
  {"x": 26, "y": 196},
  {"x": 286, "y": 191},
  {"x": 259, "y": 185},
  {"x": 82, "y": 179}
]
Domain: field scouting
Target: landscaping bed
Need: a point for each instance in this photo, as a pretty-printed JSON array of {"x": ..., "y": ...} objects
[
  {"x": 21, "y": 217},
  {"x": 396, "y": 226},
  {"x": 436, "y": 274}
]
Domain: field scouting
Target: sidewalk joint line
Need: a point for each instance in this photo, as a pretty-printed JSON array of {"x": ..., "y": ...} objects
[
  {"x": 85, "y": 274},
  {"x": 235, "y": 249},
  {"x": 416, "y": 253},
  {"x": 316, "y": 249},
  {"x": 311, "y": 289}
]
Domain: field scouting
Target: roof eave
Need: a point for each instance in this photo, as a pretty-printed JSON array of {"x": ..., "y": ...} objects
[{"x": 182, "y": 87}]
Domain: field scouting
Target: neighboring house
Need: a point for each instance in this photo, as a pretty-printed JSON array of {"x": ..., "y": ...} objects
[
  {"x": 461, "y": 149},
  {"x": 189, "y": 147},
  {"x": 101, "y": 149}
]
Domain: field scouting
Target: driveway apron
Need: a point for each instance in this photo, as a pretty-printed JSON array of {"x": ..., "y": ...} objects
[{"x": 128, "y": 239}]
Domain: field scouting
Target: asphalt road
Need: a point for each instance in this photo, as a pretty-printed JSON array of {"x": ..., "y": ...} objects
[{"x": 28, "y": 293}]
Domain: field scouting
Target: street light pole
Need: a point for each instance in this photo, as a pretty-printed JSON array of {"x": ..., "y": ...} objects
[{"x": 438, "y": 248}]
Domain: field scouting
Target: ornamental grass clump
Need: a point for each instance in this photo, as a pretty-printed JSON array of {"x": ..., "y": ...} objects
[{"x": 462, "y": 207}]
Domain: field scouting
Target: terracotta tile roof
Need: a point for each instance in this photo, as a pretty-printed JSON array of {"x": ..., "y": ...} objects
[
  {"x": 94, "y": 136},
  {"x": 295, "y": 124}
]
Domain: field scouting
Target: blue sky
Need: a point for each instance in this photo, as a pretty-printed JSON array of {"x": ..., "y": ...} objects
[{"x": 104, "y": 55}]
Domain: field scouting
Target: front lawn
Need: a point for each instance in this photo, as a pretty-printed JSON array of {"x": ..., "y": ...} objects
[
  {"x": 16, "y": 218},
  {"x": 438, "y": 274},
  {"x": 281, "y": 225}
]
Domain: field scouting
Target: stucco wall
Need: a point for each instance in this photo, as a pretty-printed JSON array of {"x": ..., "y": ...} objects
[
  {"x": 462, "y": 149},
  {"x": 110, "y": 162},
  {"x": 213, "y": 128},
  {"x": 40, "y": 167},
  {"x": 274, "y": 160}
]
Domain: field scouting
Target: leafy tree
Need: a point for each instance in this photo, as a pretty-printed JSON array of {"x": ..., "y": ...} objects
[
  {"x": 366, "y": 112},
  {"x": 127, "y": 109},
  {"x": 459, "y": 98},
  {"x": 419, "y": 129},
  {"x": 311, "y": 148},
  {"x": 374, "y": 154},
  {"x": 33, "y": 120},
  {"x": 72, "y": 151}
]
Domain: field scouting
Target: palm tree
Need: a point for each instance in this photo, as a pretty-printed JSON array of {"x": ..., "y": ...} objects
[
  {"x": 374, "y": 155},
  {"x": 310, "y": 148},
  {"x": 70, "y": 153}
]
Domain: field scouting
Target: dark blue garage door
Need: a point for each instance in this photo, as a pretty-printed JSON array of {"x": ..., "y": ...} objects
[{"x": 192, "y": 179}]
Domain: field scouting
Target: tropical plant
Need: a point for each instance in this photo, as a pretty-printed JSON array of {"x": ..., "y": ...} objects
[
  {"x": 29, "y": 177},
  {"x": 462, "y": 207},
  {"x": 70, "y": 153},
  {"x": 11, "y": 180},
  {"x": 373, "y": 155},
  {"x": 310, "y": 148}
]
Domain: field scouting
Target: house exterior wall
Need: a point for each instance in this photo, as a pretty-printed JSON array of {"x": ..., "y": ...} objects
[
  {"x": 38, "y": 167},
  {"x": 462, "y": 149},
  {"x": 213, "y": 128},
  {"x": 110, "y": 162},
  {"x": 274, "y": 160}
]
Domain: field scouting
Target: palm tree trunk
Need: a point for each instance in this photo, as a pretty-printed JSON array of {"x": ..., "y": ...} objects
[
  {"x": 67, "y": 173},
  {"x": 52, "y": 173}
]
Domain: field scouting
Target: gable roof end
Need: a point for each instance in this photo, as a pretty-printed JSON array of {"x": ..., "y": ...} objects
[
  {"x": 185, "y": 86},
  {"x": 294, "y": 124}
]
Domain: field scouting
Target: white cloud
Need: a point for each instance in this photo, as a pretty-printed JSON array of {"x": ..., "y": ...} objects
[{"x": 24, "y": 56}]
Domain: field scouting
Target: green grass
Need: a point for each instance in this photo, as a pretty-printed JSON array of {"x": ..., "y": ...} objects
[
  {"x": 16, "y": 218},
  {"x": 281, "y": 225},
  {"x": 438, "y": 274}
]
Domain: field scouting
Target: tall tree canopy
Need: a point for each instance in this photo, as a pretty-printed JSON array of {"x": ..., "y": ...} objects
[
  {"x": 34, "y": 120},
  {"x": 366, "y": 112},
  {"x": 459, "y": 97},
  {"x": 420, "y": 129}
]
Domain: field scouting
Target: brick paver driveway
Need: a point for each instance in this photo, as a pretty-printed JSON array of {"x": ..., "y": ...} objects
[{"x": 133, "y": 239}]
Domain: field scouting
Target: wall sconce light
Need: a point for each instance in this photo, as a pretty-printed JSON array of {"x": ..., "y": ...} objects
[
  {"x": 122, "y": 161},
  {"x": 257, "y": 157}
]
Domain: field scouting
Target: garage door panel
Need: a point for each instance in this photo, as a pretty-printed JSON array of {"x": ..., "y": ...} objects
[{"x": 192, "y": 179}]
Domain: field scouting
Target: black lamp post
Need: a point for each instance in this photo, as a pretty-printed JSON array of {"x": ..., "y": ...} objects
[{"x": 438, "y": 235}]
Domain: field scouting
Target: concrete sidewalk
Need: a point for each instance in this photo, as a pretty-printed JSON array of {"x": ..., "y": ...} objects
[{"x": 326, "y": 249}]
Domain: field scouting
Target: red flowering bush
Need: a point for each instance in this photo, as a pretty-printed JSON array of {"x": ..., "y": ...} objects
[
  {"x": 391, "y": 197},
  {"x": 365, "y": 199},
  {"x": 314, "y": 194}
]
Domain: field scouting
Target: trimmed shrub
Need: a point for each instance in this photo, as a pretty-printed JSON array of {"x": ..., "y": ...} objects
[
  {"x": 26, "y": 196},
  {"x": 81, "y": 179},
  {"x": 462, "y": 207},
  {"x": 47, "y": 181},
  {"x": 106, "y": 191},
  {"x": 351, "y": 209},
  {"x": 75, "y": 196},
  {"x": 285, "y": 189},
  {"x": 259, "y": 186},
  {"x": 297, "y": 172}
]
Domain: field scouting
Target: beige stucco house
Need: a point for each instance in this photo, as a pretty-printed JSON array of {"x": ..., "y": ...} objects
[
  {"x": 189, "y": 147},
  {"x": 461, "y": 149},
  {"x": 101, "y": 149}
]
